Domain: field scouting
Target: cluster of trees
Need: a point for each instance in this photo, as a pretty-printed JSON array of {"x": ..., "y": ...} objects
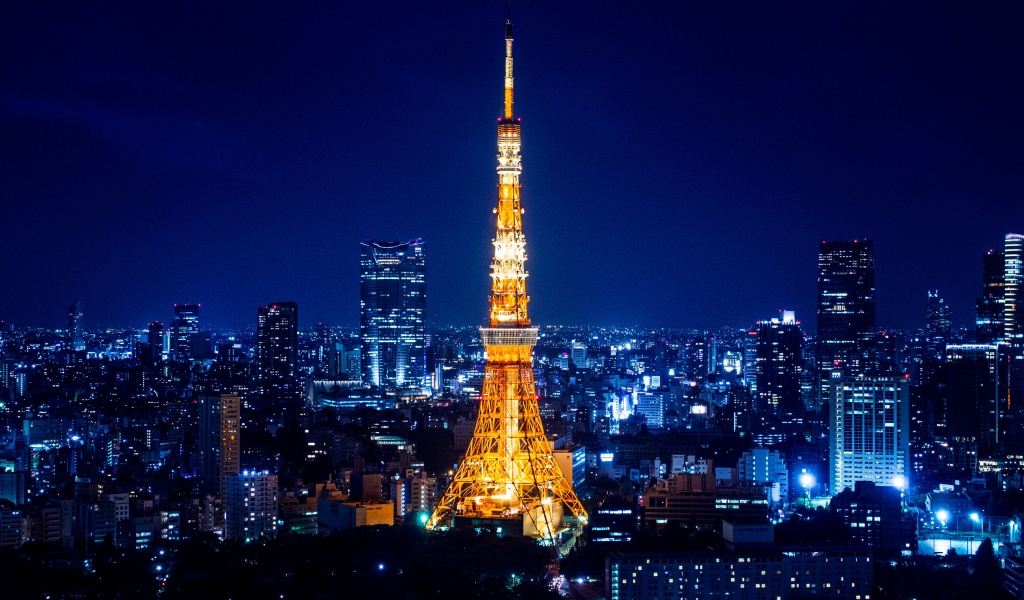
[
  {"x": 953, "y": 576},
  {"x": 384, "y": 562}
]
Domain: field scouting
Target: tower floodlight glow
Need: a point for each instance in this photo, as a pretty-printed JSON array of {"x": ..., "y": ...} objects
[
  {"x": 807, "y": 481},
  {"x": 509, "y": 472}
]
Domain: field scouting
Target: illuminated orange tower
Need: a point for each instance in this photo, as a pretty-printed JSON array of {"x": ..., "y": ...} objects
[{"x": 509, "y": 475}]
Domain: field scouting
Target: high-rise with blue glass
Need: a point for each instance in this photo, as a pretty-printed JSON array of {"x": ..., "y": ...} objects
[{"x": 393, "y": 302}]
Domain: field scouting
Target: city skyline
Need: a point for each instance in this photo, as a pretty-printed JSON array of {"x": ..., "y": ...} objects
[{"x": 163, "y": 149}]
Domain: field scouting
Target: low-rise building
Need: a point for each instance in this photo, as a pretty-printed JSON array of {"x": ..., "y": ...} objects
[{"x": 845, "y": 573}]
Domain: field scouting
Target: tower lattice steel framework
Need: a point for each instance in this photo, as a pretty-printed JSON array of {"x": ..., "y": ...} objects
[{"x": 509, "y": 471}]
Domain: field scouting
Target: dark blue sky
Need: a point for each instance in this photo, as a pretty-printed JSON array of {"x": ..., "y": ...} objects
[{"x": 681, "y": 159}]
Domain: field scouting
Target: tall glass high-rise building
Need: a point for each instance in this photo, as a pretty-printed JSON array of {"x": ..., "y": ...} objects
[
  {"x": 1013, "y": 286},
  {"x": 184, "y": 328},
  {"x": 938, "y": 326},
  {"x": 393, "y": 303},
  {"x": 76, "y": 339},
  {"x": 277, "y": 347},
  {"x": 846, "y": 308}
]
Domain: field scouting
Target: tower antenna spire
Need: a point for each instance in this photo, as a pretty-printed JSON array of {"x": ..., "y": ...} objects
[{"x": 508, "y": 64}]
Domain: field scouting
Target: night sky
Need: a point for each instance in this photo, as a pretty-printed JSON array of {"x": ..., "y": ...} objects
[{"x": 682, "y": 160}]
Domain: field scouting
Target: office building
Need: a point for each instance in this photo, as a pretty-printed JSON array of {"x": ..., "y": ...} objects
[
  {"x": 277, "y": 346},
  {"x": 220, "y": 444},
  {"x": 846, "y": 309},
  {"x": 1013, "y": 287},
  {"x": 250, "y": 506},
  {"x": 184, "y": 328},
  {"x": 989, "y": 309},
  {"x": 651, "y": 406},
  {"x": 155, "y": 343},
  {"x": 870, "y": 431},
  {"x": 615, "y": 521},
  {"x": 749, "y": 370},
  {"x": 938, "y": 327},
  {"x": 393, "y": 304},
  {"x": 778, "y": 364},
  {"x": 969, "y": 395},
  {"x": 75, "y": 335},
  {"x": 579, "y": 355}
]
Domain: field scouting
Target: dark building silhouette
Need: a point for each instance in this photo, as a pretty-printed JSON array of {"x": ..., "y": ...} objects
[
  {"x": 938, "y": 326},
  {"x": 874, "y": 514},
  {"x": 969, "y": 395},
  {"x": 392, "y": 313},
  {"x": 155, "y": 343},
  {"x": 779, "y": 343},
  {"x": 75, "y": 336},
  {"x": 846, "y": 308},
  {"x": 989, "y": 312},
  {"x": 277, "y": 345}
]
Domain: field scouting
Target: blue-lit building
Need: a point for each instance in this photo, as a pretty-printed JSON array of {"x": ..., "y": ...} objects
[
  {"x": 870, "y": 431},
  {"x": 184, "y": 330},
  {"x": 75, "y": 335},
  {"x": 393, "y": 302}
]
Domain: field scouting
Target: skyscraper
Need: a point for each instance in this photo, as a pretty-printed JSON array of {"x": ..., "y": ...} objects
[
  {"x": 970, "y": 394},
  {"x": 938, "y": 326},
  {"x": 989, "y": 316},
  {"x": 846, "y": 308},
  {"x": 509, "y": 476},
  {"x": 155, "y": 343},
  {"x": 393, "y": 303},
  {"x": 779, "y": 361},
  {"x": 76, "y": 338},
  {"x": 277, "y": 346},
  {"x": 184, "y": 328},
  {"x": 1013, "y": 287},
  {"x": 870, "y": 431},
  {"x": 220, "y": 443}
]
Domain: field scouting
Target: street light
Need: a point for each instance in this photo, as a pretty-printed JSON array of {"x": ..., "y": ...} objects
[
  {"x": 976, "y": 519},
  {"x": 807, "y": 481}
]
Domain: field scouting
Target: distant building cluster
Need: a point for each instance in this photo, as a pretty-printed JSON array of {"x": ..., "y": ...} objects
[{"x": 901, "y": 437}]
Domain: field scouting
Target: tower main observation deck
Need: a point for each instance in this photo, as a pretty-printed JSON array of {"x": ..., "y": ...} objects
[{"x": 509, "y": 475}]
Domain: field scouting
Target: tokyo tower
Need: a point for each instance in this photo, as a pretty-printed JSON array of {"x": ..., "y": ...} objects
[{"x": 509, "y": 477}]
